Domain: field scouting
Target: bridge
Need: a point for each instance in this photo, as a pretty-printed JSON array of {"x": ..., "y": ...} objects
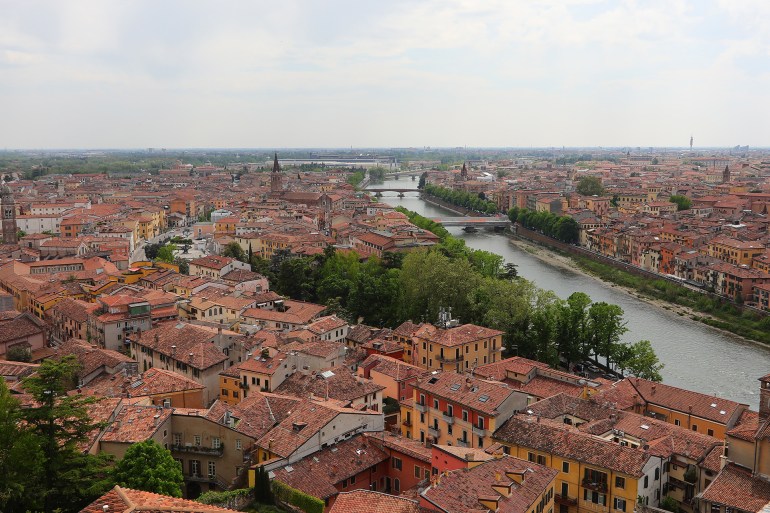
[
  {"x": 474, "y": 222},
  {"x": 379, "y": 190}
]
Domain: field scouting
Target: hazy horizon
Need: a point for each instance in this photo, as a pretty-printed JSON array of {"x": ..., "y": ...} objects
[{"x": 303, "y": 74}]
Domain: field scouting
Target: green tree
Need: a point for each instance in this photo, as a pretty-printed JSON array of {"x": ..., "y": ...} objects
[
  {"x": 151, "y": 251},
  {"x": 18, "y": 354},
  {"x": 644, "y": 363},
  {"x": 590, "y": 186},
  {"x": 606, "y": 326},
  {"x": 668, "y": 503},
  {"x": 150, "y": 467},
  {"x": 20, "y": 457},
  {"x": 166, "y": 253},
  {"x": 234, "y": 250},
  {"x": 61, "y": 423},
  {"x": 682, "y": 202},
  {"x": 184, "y": 265},
  {"x": 262, "y": 491},
  {"x": 572, "y": 330}
]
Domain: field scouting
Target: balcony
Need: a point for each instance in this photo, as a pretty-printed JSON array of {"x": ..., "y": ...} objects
[
  {"x": 455, "y": 359},
  {"x": 243, "y": 385},
  {"x": 420, "y": 407},
  {"x": 599, "y": 486},
  {"x": 199, "y": 449},
  {"x": 479, "y": 431},
  {"x": 434, "y": 432},
  {"x": 449, "y": 419},
  {"x": 463, "y": 443},
  {"x": 407, "y": 423},
  {"x": 595, "y": 508},
  {"x": 565, "y": 500},
  {"x": 207, "y": 478}
]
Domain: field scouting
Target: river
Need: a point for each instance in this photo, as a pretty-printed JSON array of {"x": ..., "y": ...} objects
[{"x": 696, "y": 357}]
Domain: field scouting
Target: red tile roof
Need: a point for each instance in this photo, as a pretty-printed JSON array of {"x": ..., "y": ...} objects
[
  {"x": 735, "y": 487},
  {"x": 365, "y": 501},
  {"x": 126, "y": 500}
]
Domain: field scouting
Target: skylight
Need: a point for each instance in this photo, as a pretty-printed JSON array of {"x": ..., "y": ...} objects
[
  {"x": 645, "y": 426},
  {"x": 484, "y": 398},
  {"x": 455, "y": 387}
]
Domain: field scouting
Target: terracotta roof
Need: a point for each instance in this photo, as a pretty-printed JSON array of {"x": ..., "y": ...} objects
[
  {"x": 392, "y": 367},
  {"x": 188, "y": 339},
  {"x": 499, "y": 370},
  {"x": 316, "y": 475},
  {"x": 365, "y": 501},
  {"x": 297, "y": 312},
  {"x": 563, "y": 441},
  {"x": 460, "y": 335},
  {"x": 342, "y": 385},
  {"x": 126, "y": 500},
  {"x": 480, "y": 395},
  {"x": 136, "y": 423},
  {"x": 212, "y": 261},
  {"x": 260, "y": 412},
  {"x": 398, "y": 443},
  {"x": 705, "y": 406},
  {"x": 460, "y": 491},
  {"x": 735, "y": 487},
  {"x": 19, "y": 328}
]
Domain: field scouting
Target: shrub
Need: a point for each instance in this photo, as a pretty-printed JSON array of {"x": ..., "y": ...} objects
[
  {"x": 303, "y": 501},
  {"x": 232, "y": 499}
]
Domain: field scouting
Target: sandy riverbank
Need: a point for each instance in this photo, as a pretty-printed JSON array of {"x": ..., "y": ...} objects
[{"x": 558, "y": 260}]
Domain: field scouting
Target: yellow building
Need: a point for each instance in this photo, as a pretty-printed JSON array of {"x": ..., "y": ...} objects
[
  {"x": 452, "y": 409},
  {"x": 594, "y": 475},
  {"x": 459, "y": 348},
  {"x": 734, "y": 251}
]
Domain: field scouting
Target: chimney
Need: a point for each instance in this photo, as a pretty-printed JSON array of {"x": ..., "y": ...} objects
[
  {"x": 468, "y": 456},
  {"x": 156, "y": 419}
]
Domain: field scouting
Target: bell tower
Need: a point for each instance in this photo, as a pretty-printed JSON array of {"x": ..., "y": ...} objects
[
  {"x": 276, "y": 178},
  {"x": 764, "y": 397},
  {"x": 8, "y": 207},
  {"x": 726, "y": 175}
]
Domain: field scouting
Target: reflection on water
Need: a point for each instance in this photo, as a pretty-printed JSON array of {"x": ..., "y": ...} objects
[{"x": 697, "y": 357}]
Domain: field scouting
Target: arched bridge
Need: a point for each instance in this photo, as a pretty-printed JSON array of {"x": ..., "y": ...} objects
[
  {"x": 474, "y": 222},
  {"x": 379, "y": 190}
]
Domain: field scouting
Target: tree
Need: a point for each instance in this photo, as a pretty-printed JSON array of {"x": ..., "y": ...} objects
[
  {"x": 18, "y": 353},
  {"x": 572, "y": 329},
  {"x": 668, "y": 503},
  {"x": 184, "y": 265},
  {"x": 151, "y": 251},
  {"x": 590, "y": 186},
  {"x": 166, "y": 253},
  {"x": 60, "y": 422},
  {"x": 150, "y": 467},
  {"x": 607, "y": 326},
  {"x": 644, "y": 363},
  {"x": 262, "y": 490},
  {"x": 234, "y": 250},
  {"x": 682, "y": 202},
  {"x": 20, "y": 457}
]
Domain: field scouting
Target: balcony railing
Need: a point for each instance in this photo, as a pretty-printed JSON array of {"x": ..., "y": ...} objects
[
  {"x": 479, "y": 431},
  {"x": 207, "y": 478},
  {"x": 407, "y": 422},
  {"x": 599, "y": 486},
  {"x": 243, "y": 385},
  {"x": 454, "y": 359},
  {"x": 463, "y": 443},
  {"x": 199, "y": 449},
  {"x": 449, "y": 419},
  {"x": 434, "y": 432},
  {"x": 565, "y": 500},
  {"x": 420, "y": 407},
  {"x": 590, "y": 506}
]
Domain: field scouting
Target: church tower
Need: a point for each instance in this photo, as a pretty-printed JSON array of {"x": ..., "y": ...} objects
[
  {"x": 8, "y": 207},
  {"x": 276, "y": 179},
  {"x": 726, "y": 175}
]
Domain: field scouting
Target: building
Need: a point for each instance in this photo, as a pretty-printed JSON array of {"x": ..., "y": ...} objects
[
  {"x": 214, "y": 266},
  {"x": 458, "y": 348},
  {"x": 452, "y": 409},
  {"x": 126, "y": 500},
  {"x": 501, "y": 485}
]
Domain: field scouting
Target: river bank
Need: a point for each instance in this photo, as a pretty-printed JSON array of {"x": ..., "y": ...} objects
[{"x": 555, "y": 258}]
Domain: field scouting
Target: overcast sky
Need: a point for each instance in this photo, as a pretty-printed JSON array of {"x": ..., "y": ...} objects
[{"x": 325, "y": 73}]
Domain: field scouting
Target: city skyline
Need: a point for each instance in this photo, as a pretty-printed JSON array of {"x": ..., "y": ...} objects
[{"x": 579, "y": 74}]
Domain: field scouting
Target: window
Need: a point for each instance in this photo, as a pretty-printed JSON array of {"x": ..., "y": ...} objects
[
  {"x": 197, "y": 439},
  {"x": 465, "y": 416},
  {"x": 646, "y": 481},
  {"x": 216, "y": 442},
  {"x": 212, "y": 469},
  {"x": 195, "y": 467},
  {"x": 594, "y": 496},
  {"x": 620, "y": 504},
  {"x": 352, "y": 479},
  {"x": 449, "y": 429},
  {"x": 481, "y": 442},
  {"x": 396, "y": 463},
  {"x": 657, "y": 474},
  {"x": 677, "y": 423},
  {"x": 564, "y": 489},
  {"x": 238, "y": 444},
  {"x": 540, "y": 459},
  {"x": 397, "y": 485},
  {"x": 716, "y": 508},
  {"x": 531, "y": 457},
  {"x": 620, "y": 482},
  {"x": 224, "y": 392},
  {"x": 695, "y": 427},
  {"x": 177, "y": 438},
  {"x": 480, "y": 423},
  {"x": 417, "y": 472},
  {"x": 710, "y": 432},
  {"x": 565, "y": 467},
  {"x": 235, "y": 394},
  {"x": 435, "y": 403},
  {"x": 344, "y": 483}
]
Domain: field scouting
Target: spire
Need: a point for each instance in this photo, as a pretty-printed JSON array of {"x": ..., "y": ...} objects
[
  {"x": 276, "y": 167},
  {"x": 464, "y": 171}
]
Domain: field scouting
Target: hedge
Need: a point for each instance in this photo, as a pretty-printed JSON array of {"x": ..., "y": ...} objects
[
  {"x": 233, "y": 499},
  {"x": 303, "y": 501}
]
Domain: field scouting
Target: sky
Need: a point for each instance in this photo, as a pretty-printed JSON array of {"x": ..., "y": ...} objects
[{"x": 333, "y": 73}]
